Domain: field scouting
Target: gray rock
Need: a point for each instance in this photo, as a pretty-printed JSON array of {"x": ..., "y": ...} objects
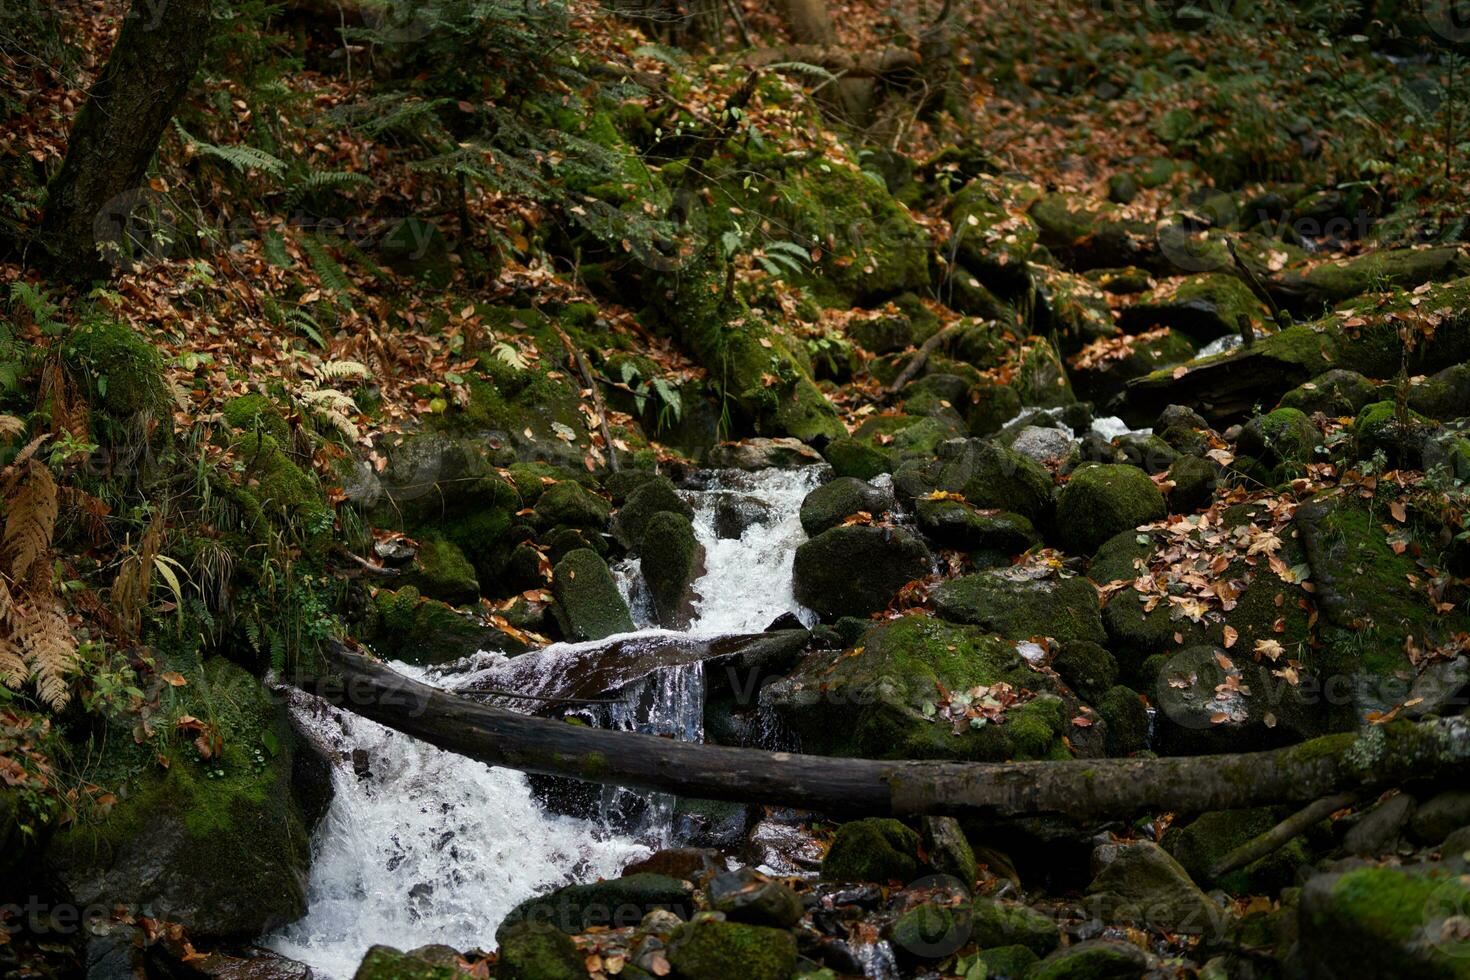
[
  {"x": 1051, "y": 447},
  {"x": 1140, "y": 883},
  {"x": 746, "y": 896},
  {"x": 760, "y": 454},
  {"x": 736, "y": 513},
  {"x": 1439, "y": 816},
  {"x": 1377, "y": 831}
]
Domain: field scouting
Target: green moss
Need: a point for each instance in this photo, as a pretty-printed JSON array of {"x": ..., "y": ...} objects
[
  {"x": 1102, "y": 500},
  {"x": 442, "y": 571},
  {"x": 993, "y": 235},
  {"x": 122, "y": 370},
  {"x": 712, "y": 948},
  {"x": 1342, "y": 279},
  {"x": 275, "y": 485},
  {"x": 671, "y": 559},
  {"x": 387, "y": 963},
  {"x": 877, "y": 849},
  {"x": 1385, "y": 921},
  {"x": 857, "y": 458},
  {"x": 253, "y": 412},
  {"x": 403, "y": 625},
  {"x": 567, "y": 503},
  {"x": 1201, "y": 843},
  {"x": 871, "y": 704},
  {"x": 1127, "y": 719},
  {"x": 588, "y": 603},
  {"x": 1021, "y": 607},
  {"x": 655, "y": 495},
  {"x": 1002, "y": 924},
  {"x": 1007, "y": 962}
]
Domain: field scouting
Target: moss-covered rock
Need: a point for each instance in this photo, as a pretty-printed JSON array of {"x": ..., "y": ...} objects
[
  {"x": 928, "y": 932},
  {"x": 671, "y": 559},
  {"x": 588, "y": 604},
  {"x": 1127, "y": 719},
  {"x": 1201, "y": 843},
  {"x": 441, "y": 571},
  {"x": 1021, "y": 603},
  {"x": 992, "y": 537},
  {"x": 829, "y": 504},
  {"x": 992, "y": 235},
  {"x": 535, "y": 951},
  {"x": 1444, "y": 396},
  {"x": 121, "y": 370},
  {"x": 1384, "y": 922},
  {"x": 870, "y": 702},
  {"x": 1086, "y": 667},
  {"x": 1103, "y": 369},
  {"x": 219, "y": 843},
  {"x": 989, "y": 407},
  {"x": 1101, "y": 500},
  {"x": 1007, "y": 962},
  {"x": 877, "y": 849},
  {"x": 992, "y": 476},
  {"x": 276, "y": 487},
  {"x": 567, "y": 503},
  {"x": 1194, "y": 480},
  {"x": 1090, "y": 233},
  {"x": 1331, "y": 282},
  {"x": 1071, "y": 308},
  {"x": 387, "y": 963},
  {"x": 855, "y": 570},
  {"x": 1203, "y": 307},
  {"x": 1005, "y": 924},
  {"x": 404, "y": 625},
  {"x": 654, "y": 495},
  {"x": 856, "y": 458},
  {"x": 253, "y": 412},
  {"x": 1095, "y": 959},
  {"x": 1140, "y": 883},
  {"x": 615, "y": 903},
  {"x": 1335, "y": 394},
  {"x": 1285, "y": 436},
  {"x": 710, "y": 948}
]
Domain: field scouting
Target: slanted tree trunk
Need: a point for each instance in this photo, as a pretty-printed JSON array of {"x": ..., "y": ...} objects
[
  {"x": 158, "y": 50},
  {"x": 1084, "y": 789}
]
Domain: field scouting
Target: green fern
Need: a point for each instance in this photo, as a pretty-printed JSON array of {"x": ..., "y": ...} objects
[
  {"x": 303, "y": 187},
  {"x": 332, "y": 275},
  {"x": 242, "y": 158}
]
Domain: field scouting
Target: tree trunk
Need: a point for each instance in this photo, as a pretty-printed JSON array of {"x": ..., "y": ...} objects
[
  {"x": 116, "y": 134},
  {"x": 1083, "y": 789}
]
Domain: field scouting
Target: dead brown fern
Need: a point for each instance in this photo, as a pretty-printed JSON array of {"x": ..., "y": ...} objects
[{"x": 35, "y": 639}]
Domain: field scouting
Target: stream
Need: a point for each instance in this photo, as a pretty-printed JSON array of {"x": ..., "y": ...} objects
[{"x": 422, "y": 846}]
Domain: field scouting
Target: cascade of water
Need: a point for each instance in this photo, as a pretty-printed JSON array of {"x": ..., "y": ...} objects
[{"x": 431, "y": 847}]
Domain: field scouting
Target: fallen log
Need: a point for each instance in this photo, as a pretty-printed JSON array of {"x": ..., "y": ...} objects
[{"x": 1381, "y": 755}]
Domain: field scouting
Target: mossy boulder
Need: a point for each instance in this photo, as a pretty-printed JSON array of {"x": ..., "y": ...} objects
[
  {"x": 1201, "y": 843},
  {"x": 588, "y": 603},
  {"x": 1444, "y": 396},
  {"x": 856, "y": 458},
  {"x": 999, "y": 923},
  {"x": 655, "y": 495},
  {"x": 1399, "y": 433},
  {"x": 992, "y": 476},
  {"x": 614, "y": 904},
  {"x": 404, "y": 625},
  {"x": 1335, "y": 394},
  {"x": 928, "y": 932},
  {"x": 1194, "y": 480},
  {"x": 1331, "y": 282},
  {"x": 671, "y": 559},
  {"x": 274, "y": 486},
  {"x": 992, "y": 235},
  {"x": 870, "y": 702},
  {"x": 1104, "y": 499},
  {"x": 989, "y": 407},
  {"x": 855, "y": 570},
  {"x": 1202, "y": 307},
  {"x": 1366, "y": 593},
  {"x": 1007, "y": 962},
  {"x": 1384, "y": 922},
  {"x": 877, "y": 849},
  {"x": 709, "y": 948},
  {"x": 219, "y": 844},
  {"x": 387, "y": 963},
  {"x": 1103, "y": 369},
  {"x": 1095, "y": 959},
  {"x": 441, "y": 571},
  {"x": 1127, "y": 718},
  {"x": 1086, "y": 667},
  {"x": 992, "y": 537},
  {"x": 1021, "y": 603},
  {"x": 535, "y": 951},
  {"x": 1140, "y": 883},
  {"x": 569, "y": 504},
  {"x": 120, "y": 369},
  {"x": 1089, "y": 233},
  {"x": 829, "y": 504},
  {"x": 871, "y": 247},
  {"x": 1070, "y": 307},
  {"x": 256, "y": 412}
]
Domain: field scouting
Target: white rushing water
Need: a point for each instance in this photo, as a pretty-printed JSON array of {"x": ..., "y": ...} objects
[{"x": 431, "y": 847}]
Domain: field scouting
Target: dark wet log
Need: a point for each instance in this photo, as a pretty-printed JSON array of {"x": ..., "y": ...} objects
[
  {"x": 594, "y": 672},
  {"x": 1082, "y": 789}
]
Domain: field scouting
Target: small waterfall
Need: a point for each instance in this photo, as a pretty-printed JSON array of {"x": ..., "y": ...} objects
[{"x": 430, "y": 847}]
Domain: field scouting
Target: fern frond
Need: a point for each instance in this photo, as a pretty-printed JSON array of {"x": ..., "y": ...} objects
[
  {"x": 13, "y": 669},
  {"x": 335, "y": 370},
  {"x": 327, "y": 180},
  {"x": 332, "y": 275},
  {"x": 243, "y": 158},
  {"x": 31, "y": 520},
  {"x": 10, "y": 426},
  {"x": 50, "y": 649}
]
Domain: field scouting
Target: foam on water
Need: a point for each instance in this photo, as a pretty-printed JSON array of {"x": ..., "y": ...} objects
[{"x": 432, "y": 847}]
